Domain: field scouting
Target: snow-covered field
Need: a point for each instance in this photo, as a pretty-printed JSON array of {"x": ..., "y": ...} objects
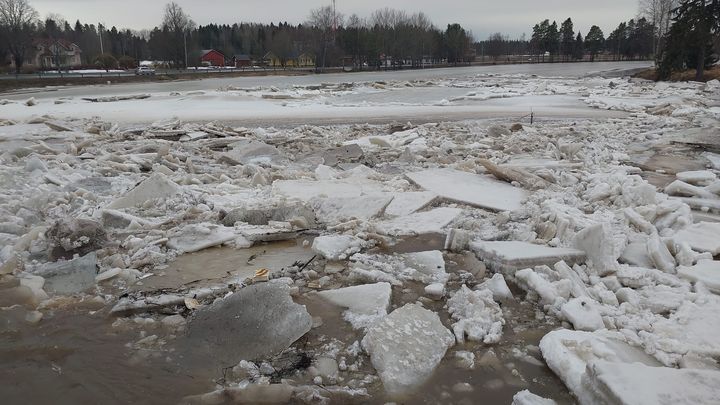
[{"x": 400, "y": 238}]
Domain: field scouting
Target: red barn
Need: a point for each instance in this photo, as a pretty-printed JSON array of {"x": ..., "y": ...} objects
[{"x": 212, "y": 57}]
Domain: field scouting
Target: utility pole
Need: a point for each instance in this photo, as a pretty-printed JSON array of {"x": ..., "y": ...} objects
[
  {"x": 185, "y": 44},
  {"x": 100, "y": 27}
]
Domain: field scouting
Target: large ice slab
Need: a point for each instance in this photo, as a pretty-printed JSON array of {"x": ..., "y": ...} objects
[
  {"x": 705, "y": 271},
  {"x": 702, "y": 237},
  {"x": 257, "y": 321},
  {"x": 637, "y": 384},
  {"x": 468, "y": 188},
  {"x": 408, "y": 203},
  {"x": 365, "y": 303},
  {"x": 508, "y": 256},
  {"x": 406, "y": 346},
  {"x": 693, "y": 328},
  {"x": 567, "y": 353},
  {"x": 419, "y": 223},
  {"x": 336, "y": 210},
  {"x": 306, "y": 190},
  {"x": 70, "y": 276}
]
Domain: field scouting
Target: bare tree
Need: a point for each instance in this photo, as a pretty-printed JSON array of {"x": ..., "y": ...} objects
[
  {"x": 178, "y": 24},
  {"x": 324, "y": 20},
  {"x": 17, "y": 21},
  {"x": 659, "y": 13}
]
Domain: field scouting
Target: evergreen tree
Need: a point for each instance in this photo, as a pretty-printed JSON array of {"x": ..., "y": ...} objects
[
  {"x": 579, "y": 47},
  {"x": 696, "y": 24},
  {"x": 567, "y": 38},
  {"x": 594, "y": 41}
]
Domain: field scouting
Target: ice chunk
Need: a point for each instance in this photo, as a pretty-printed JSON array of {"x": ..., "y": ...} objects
[
  {"x": 435, "y": 291},
  {"x": 71, "y": 276},
  {"x": 472, "y": 189},
  {"x": 660, "y": 255},
  {"x": 637, "y": 384},
  {"x": 508, "y": 256},
  {"x": 333, "y": 156},
  {"x": 249, "y": 151},
  {"x": 195, "y": 237},
  {"x": 548, "y": 291},
  {"x": 337, "y": 247},
  {"x": 528, "y": 398},
  {"x": 72, "y": 236},
  {"x": 567, "y": 353},
  {"x": 419, "y": 223},
  {"x": 365, "y": 303},
  {"x": 601, "y": 247},
  {"x": 581, "y": 312},
  {"x": 406, "y": 346},
  {"x": 706, "y": 272},
  {"x": 498, "y": 286},
  {"x": 257, "y": 321},
  {"x": 154, "y": 187},
  {"x": 702, "y": 237},
  {"x": 478, "y": 316},
  {"x": 697, "y": 177}
]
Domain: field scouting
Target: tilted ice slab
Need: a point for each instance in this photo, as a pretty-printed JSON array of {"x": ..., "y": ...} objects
[
  {"x": 154, "y": 187},
  {"x": 702, "y": 237},
  {"x": 637, "y": 384},
  {"x": 365, "y": 303},
  {"x": 508, "y": 256},
  {"x": 567, "y": 353},
  {"x": 419, "y": 223},
  {"x": 468, "y": 188},
  {"x": 705, "y": 271},
  {"x": 256, "y": 321},
  {"x": 406, "y": 346}
]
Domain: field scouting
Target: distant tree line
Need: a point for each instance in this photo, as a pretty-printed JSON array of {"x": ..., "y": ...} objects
[
  {"x": 388, "y": 38},
  {"x": 633, "y": 39}
]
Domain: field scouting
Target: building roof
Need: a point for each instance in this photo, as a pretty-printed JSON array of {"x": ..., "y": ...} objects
[
  {"x": 205, "y": 52},
  {"x": 242, "y": 57},
  {"x": 63, "y": 43}
]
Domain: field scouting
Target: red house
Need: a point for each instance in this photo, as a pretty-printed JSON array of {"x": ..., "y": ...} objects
[{"x": 212, "y": 57}]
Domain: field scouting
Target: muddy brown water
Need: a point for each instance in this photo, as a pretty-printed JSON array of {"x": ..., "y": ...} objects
[
  {"x": 75, "y": 355},
  {"x": 220, "y": 263}
]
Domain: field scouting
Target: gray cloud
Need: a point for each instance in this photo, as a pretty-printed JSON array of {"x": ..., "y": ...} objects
[{"x": 513, "y": 17}]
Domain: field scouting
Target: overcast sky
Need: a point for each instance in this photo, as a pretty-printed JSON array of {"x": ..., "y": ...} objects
[{"x": 483, "y": 17}]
